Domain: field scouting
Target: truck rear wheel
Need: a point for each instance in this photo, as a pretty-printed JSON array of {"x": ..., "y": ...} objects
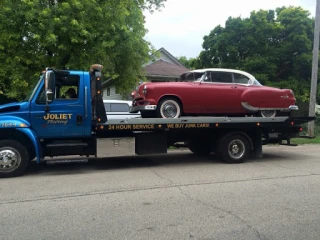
[
  {"x": 233, "y": 148},
  {"x": 14, "y": 158}
]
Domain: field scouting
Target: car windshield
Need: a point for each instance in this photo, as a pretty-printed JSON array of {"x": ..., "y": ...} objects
[
  {"x": 256, "y": 83},
  {"x": 32, "y": 90}
]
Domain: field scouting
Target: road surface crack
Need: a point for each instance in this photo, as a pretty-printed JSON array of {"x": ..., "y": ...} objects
[
  {"x": 146, "y": 188},
  {"x": 258, "y": 234},
  {"x": 160, "y": 176}
]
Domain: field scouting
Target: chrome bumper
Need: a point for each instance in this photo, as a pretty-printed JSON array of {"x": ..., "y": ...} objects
[
  {"x": 142, "y": 108},
  {"x": 293, "y": 108}
]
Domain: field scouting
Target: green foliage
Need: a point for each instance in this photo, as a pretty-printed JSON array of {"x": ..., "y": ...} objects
[
  {"x": 275, "y": 46},
  {"x": 72, "y": 35}
]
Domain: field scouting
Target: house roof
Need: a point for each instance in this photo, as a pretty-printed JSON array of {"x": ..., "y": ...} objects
[
  {"x": 164, "y": 55},
  {"x": 164, "y": 51},
  {"x": 164, "y": 69}
]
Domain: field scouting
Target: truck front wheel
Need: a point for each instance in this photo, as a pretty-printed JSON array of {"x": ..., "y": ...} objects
[
  {"x": 14, "y": 158},
  {"x": 233, "y": 148}
]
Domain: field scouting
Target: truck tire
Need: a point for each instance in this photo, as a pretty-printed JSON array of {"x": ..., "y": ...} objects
[
  {"x": 234, "y": 148},
  {"x": 169, "y": 107},
  {"x": 14, "y": 158}
]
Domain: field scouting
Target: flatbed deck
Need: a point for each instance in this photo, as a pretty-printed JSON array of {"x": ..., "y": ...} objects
[{"x": 151, "y": 124}]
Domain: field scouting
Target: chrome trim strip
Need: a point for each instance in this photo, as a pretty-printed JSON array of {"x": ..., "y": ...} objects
[
  {"x": 250, "y": 108},
  {"x": 86, "y": 101}
]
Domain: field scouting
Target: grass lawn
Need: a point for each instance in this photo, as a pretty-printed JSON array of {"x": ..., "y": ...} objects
[{"x": 306, "y": 140}]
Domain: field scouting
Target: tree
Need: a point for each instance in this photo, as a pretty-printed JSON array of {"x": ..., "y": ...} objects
[
  {"x": 72, "y": 35},
  {"x": 273, "y": 45}
]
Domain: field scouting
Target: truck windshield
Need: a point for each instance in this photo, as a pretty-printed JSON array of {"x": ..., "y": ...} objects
[{"x": 32, "y": 90}]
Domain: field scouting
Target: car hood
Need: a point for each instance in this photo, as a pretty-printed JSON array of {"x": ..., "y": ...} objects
[{"x": 13, "y": 107}]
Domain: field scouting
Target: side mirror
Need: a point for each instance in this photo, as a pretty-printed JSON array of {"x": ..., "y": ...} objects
[
  {"x": 49, "y": 96},
  {"x": 49, "y": 85}
]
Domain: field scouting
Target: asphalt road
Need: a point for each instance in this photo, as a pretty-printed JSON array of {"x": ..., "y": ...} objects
[{"x": 175, "y": 196}]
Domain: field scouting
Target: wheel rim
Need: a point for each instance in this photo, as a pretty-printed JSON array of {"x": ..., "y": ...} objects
[
  {"x": 236, "y": 149},
  {"x": 170, "y": 109},
  {"x": 10, "y": 159},
  {"x": 268, "y": 113}
]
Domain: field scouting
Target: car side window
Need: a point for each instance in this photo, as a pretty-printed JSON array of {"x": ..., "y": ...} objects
[
  {"x": 119, "y": 107},
  {"x": 107, "y": 107},
  {"x": 221, "y": 77},
  {"x": 239, "y": 78},
  {"x": 206, "y": 77}
]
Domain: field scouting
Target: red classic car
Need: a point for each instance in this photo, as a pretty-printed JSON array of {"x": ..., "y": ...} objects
[{"x": 212, "y": 92}]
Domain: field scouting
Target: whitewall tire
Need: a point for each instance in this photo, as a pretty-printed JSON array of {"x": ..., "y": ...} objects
[{"x": 169, "y": 108}]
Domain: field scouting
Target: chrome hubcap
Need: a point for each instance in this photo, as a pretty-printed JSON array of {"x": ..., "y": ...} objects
[
  {"x": 169, "y": 109},
  {"x": 10, "y": 159},
  {"x": 236, "y": 149}
]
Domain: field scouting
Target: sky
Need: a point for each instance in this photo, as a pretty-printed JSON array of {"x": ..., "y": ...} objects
[{"x": 181, "y": 25}]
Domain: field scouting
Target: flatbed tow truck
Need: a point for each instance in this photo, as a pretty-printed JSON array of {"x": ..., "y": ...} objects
[{"x": 48, "y": 126}]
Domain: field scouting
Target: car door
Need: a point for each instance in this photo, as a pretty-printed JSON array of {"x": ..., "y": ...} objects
[
  {"x": 242, "y": 83},
  {"x": 218, "y": 92},
  {"x": 63, "y": 116}
]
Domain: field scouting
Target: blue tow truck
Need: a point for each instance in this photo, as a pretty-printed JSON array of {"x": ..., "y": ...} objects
[{"x": 48, "y": 125}]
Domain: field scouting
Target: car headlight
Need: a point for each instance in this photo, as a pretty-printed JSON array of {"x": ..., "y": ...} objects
[{"x": 144, "y": 91}]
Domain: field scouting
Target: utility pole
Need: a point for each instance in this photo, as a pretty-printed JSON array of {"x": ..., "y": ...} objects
[{"x": 314, "y": 77}]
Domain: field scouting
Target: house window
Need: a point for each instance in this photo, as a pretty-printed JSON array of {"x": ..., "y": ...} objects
[
  {"x": 108, "y": 91},
  {"x": 117, "y": 90}
]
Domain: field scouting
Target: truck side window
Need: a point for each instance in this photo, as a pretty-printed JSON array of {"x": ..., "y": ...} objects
[{"x": 67, "y": 87}]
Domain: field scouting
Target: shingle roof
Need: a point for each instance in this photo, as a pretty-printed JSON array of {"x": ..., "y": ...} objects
[{"x": 163, "y": 68}]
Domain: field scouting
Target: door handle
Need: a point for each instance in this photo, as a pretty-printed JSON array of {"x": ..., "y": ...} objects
[{"x": 79, "y": 119}]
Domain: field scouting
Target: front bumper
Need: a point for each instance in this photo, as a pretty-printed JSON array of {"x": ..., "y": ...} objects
[{"x": 135, "y": 109}]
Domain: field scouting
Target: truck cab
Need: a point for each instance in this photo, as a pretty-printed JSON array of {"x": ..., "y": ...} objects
[{"x": 52, "y": 121}]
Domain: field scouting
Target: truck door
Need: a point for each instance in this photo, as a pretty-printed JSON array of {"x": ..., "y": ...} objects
[{"x": 64, "y": 116}]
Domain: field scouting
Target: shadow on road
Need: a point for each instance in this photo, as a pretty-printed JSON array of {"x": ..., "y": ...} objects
[{"x": 120, "y": 163}]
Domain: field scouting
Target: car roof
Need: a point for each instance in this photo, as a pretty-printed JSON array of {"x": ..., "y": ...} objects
[{"x": 222, "y": 69}]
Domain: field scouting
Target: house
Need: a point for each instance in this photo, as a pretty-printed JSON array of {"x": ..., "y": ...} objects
[{"x": 163, "y": 68}]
